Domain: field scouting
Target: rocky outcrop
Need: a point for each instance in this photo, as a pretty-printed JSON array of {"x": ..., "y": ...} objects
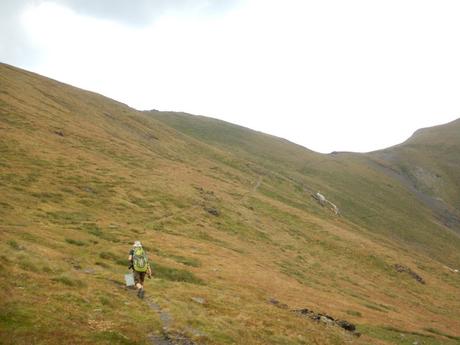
[
  {"x": 401, "y": 268},
  {"x": 329, "y": 320},
  {"x": 324, "y": 318}
]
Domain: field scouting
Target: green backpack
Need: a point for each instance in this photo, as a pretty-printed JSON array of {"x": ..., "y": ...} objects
[{"x": 140, "y": 262}]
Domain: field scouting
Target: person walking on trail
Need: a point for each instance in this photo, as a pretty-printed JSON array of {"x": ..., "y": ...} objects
[{"x": 139, "y": 263}]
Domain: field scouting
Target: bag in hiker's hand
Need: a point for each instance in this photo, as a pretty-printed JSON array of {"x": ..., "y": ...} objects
[{"x": 129, "y": 279}]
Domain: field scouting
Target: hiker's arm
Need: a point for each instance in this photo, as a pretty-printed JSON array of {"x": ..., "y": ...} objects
[
  {"x": 130, "y": 258},
  {"x": 149, "y": 271}
]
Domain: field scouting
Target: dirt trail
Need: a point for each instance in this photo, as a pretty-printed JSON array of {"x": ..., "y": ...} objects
[
  {"x": 165, "y": 319},
  {"x": 167, "y": 337},
  {"x": 189, "y": 209},
  {"x": 177, "y": 214},
  {"x": 259, "y": 181},
  {"x": 253, "y": 189}
]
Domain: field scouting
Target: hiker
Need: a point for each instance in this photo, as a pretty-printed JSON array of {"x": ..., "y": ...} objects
[
  {"x": 334, "y": 208},
  {"x": 139, "y": 263},
  {"x": 321, "y": 198},
  {"x": 323, "y": 202}
]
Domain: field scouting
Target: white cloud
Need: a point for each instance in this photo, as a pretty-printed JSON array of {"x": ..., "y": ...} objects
[{"x": 364, "y": 73}]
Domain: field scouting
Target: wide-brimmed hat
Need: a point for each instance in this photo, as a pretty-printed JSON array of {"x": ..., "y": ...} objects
[{"x": 137, "y": 244}]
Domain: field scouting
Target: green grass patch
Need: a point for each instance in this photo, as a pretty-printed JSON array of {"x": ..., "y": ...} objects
[
  {"x": 48, "y": 197},
  {"x": 375, "y": 307},
  {"x": 69, "y": 281},
  {"x": 112, "y": 337},
  {"x": 113, "y": 257},
  {"x": 354, "y": 313},
  {"x": 105, "y": 301},
  {"x": 47, "y": 269},
  {"x": 27, "y": 265},
  {"x": 186, "y": 261},
  {"x": 438, "y": 332},
  {"x": 102, "y": 264},
  {"x": 5, "y": 207},
  {"x": 15, "y": 245},
  {"x": 401, "y": 337},
  {"x": 75, "y": 242},
  {"x": 64, "y": 217},
  {"x": 15, "y": 317},
  {"x": 178, "y": 258},
  {"x": 394, "y": 329},
  {"x": 294, "y": 271},
  {"x": 173, "y": 274},
  {"x": 95, "y": 230},
  {"x": 121, "y": 262},
  {"x": 140, "y": 202},
  {"x": 86, "y": 202},
  {"x": 30, "y": 237},
  {"x": 108, "y": 256}
]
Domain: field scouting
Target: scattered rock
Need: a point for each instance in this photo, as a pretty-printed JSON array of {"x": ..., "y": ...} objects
[
  {"x": 212, "y": 210},
  {"x": 346, "y": 325},
  {"x": 89, "y": 271},
  {"x": 326, "y": 320},
  {"x": 401, "y": 268},
  {"x": 198, "y": 300},
  {"x": 60, "y": 133},
  {"x": 451, "y": 269},
  {"x": 88, "y": 189}
]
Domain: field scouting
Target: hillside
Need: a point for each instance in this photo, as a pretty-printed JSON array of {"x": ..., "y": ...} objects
[
  {"x": 226, "y": 214},
  {"x": 428, "y": 163},
  {"x": 371, "y": 189}
]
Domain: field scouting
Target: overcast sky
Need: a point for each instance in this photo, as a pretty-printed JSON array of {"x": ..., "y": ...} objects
[{"x": 329, "y": 75}]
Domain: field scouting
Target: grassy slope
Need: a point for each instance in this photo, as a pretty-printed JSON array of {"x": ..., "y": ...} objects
[
  {"x": 83, "y": 176},
  {"x": 367, "y": 196}
]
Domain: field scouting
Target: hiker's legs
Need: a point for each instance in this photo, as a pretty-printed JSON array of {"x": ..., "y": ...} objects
[{"x": 139, "y": 279}]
